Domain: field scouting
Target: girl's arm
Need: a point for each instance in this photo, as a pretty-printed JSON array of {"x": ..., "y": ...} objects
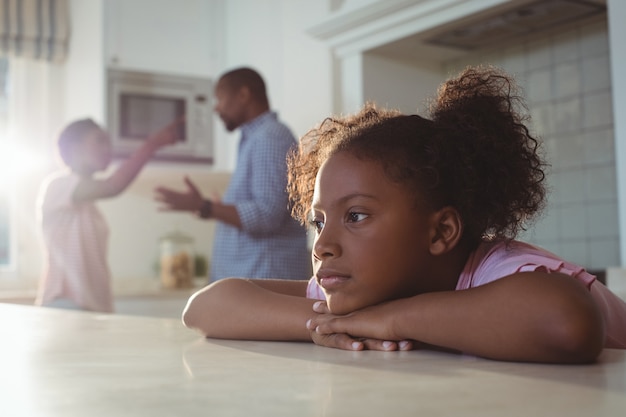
[
  {"x": 236, "y": 308},
  {"x": 531, "y": 316},
  {"x": 94, "y": 189}
]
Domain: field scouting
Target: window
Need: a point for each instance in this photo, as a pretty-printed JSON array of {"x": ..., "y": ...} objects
[
  {"x": 33, "y": 35},
  {"x": 5, "y": 189}
]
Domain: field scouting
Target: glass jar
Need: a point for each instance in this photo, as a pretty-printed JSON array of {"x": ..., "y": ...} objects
[{"x": 177, "y": 260}]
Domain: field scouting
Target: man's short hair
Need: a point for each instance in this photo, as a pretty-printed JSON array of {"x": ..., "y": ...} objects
[{"x": 246, "y": 77}]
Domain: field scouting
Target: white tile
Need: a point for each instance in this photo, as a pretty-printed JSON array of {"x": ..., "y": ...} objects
[
  {"x": 549, "y": 184},
  {"x": 556, "y": 196},
  {"x": 539, "y": 86},
  {"x": 550, "y": 148},
  {"x": 594, "y": 39},
  {"x": 495, "y": 57},
  {"x": 570, "y": 151},
  {"x": 603, "y": 220},
  {"x": 521, "y": 79},
  {"x": 553, "y": 246},
  {"x": 616, "y": 278},
  {"x": 514, "y": 60},
  {"x": 567, "y": 115},
  {"x": 542, "y": 120},
  {"x": 565, "y": 46},
  {"x": 567, "y": 80},
  {"x": 575, "y": 251},
  {"x": 570, "y": 185},
  {"x": 597, "y": 110},
  {"x": 539, "y": 55},
  {"x": 453, "y": 67},
  {"x": 603, "y": 253},
  {"x": 546, "y": 227},
  {"x": 596, "y": 73},
  {"x": 599, "y": 147},
  {"x": 600, "y": 183},
  {"x": 573, "y": 221}
]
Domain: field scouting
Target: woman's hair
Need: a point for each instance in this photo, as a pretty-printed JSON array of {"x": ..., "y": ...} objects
[
  {"x": 73, "y": 134},
  {"x": 474, "y": 154}
]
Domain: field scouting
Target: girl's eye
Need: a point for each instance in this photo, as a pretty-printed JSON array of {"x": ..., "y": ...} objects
[
  {"x": 354, "y": 217},
  {"x": 318, "y": 225}
]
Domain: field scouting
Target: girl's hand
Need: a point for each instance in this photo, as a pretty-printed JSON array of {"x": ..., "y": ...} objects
[
  {"x": 170, "y": 134},
  {"x": 350, "y": 332}
]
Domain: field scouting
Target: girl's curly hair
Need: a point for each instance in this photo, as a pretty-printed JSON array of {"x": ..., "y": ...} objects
[{"x": 475, "y": 154}]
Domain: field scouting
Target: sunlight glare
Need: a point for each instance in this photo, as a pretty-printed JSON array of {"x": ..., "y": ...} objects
[{"x": 17, "y": 161}]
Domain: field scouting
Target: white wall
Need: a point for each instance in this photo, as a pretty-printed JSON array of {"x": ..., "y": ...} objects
[
  {"x": 85, "y": 67},
  {"x": 194, "y": 37},
  {"x": 267, "y": 35},
  {"x": 175, "y": 37},
  {"x": 419, "y": 83}
]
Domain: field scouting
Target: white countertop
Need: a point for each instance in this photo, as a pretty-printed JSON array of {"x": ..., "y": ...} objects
[{"x": 64, "y": 363}]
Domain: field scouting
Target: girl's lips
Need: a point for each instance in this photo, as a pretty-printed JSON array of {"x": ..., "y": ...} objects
[{"x": 332, "y": 282}]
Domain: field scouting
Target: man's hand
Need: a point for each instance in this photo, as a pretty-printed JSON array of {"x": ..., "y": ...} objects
[
  {"x": 355, "y": 331},
  {"x": 189, "y": 200}
]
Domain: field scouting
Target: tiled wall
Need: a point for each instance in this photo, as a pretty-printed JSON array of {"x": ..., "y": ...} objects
[{"x": 566, "y": 79}]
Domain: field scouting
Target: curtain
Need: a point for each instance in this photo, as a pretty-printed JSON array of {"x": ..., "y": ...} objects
[
  {"x": 35, "y": 29},
  {"x": 34, "y": 35}
]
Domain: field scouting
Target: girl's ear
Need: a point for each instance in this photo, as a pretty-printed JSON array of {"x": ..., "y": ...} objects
[{"x": 446, "y": 230}]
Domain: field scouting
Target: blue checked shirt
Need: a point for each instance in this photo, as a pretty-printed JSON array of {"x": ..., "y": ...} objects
[{"x": 270, "y": 244}]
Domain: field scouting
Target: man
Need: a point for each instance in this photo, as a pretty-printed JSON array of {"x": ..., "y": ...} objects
[{"x": 255, "y": 236}]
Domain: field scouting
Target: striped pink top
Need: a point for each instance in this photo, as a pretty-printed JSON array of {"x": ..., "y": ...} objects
[{"x": 76, "y": 239}]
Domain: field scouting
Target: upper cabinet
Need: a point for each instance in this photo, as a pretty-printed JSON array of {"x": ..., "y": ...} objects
[{"x": 166, "y": 36}]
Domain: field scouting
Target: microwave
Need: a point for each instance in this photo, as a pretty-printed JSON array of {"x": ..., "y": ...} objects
[{"x": 141, "y": 103}]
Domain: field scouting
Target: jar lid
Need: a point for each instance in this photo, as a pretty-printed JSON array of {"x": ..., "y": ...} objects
[{"x": 177, "y": 236}]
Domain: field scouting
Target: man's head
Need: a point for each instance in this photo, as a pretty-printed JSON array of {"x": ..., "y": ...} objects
[{"x": 240, "y": 97}]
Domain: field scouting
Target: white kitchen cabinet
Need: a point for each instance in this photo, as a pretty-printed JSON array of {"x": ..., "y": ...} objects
[{"x": 167, "y": 36}]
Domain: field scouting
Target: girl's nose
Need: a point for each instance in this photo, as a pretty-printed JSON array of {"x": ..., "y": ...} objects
[{"x": 326, "y": 245}]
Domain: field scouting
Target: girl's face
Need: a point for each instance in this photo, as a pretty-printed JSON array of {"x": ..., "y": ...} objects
[
  {"x": 94, "y": 152},
  {"x": 372, "y": 241}
]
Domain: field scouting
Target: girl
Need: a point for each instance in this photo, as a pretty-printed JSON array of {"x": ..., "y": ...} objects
[
  {"x": 415, "y": 220},
  {"x": 75, "y": 233}
]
